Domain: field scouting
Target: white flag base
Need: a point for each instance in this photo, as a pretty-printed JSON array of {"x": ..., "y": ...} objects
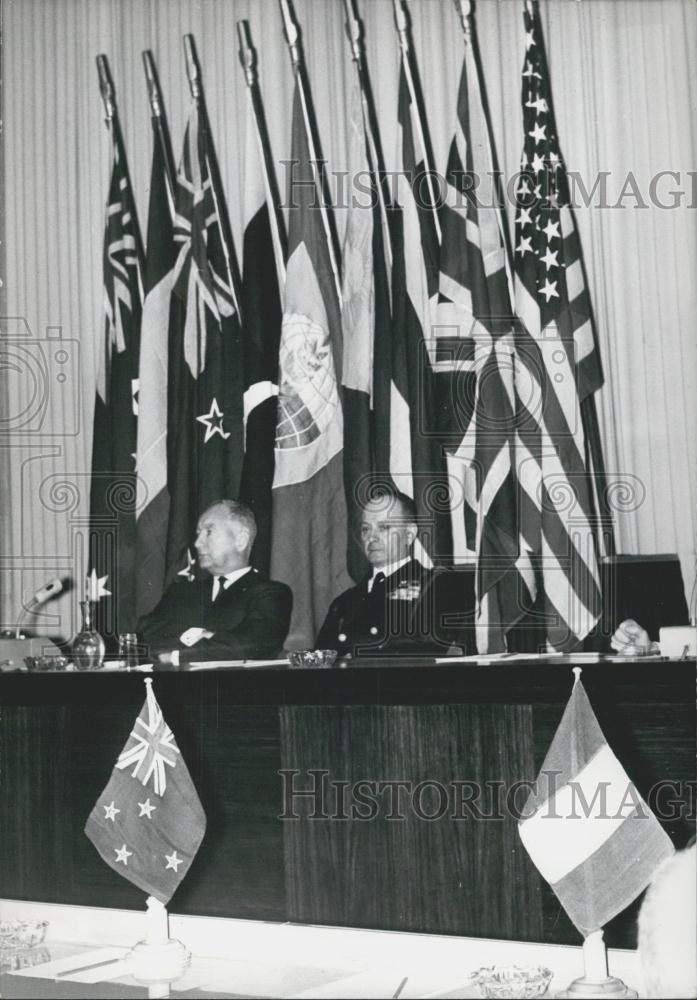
[
  {"x": 596, "y": 983},
  {"x": 590, "y": 989},
  {"x": 159, "y": 959},
  {"x": 158, "y": 963}
]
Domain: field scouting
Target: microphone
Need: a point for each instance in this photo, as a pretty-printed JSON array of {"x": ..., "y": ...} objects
[{"x": 48, "y": 591}]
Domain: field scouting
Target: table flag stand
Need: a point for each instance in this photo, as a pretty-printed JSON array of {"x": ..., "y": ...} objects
[
  {"x": 159, "y": 959},
  {"x": 596, "y": 982}
]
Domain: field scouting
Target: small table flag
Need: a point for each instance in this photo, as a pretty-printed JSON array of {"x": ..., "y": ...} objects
[
  {"x": 148, "y": 823},
  {"x": 585, "y": 826}
]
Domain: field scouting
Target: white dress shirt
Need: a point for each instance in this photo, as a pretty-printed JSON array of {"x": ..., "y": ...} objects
[
  {"x": 229, "y": 580},
  {"x": 387, "y": 570}
]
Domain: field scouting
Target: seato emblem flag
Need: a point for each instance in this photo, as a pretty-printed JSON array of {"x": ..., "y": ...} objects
[{"x": 148, "y": 823}]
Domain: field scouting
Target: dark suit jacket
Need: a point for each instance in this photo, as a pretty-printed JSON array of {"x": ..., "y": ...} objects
[
  {"x": 422, "y": 612},
  {"x": 250, "y": 619}
]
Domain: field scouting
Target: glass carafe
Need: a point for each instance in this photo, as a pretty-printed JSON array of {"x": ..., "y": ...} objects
[{"x": 88, "y": 646}]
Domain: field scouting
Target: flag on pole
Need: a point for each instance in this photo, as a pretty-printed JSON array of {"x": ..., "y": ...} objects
[
  {"x": 148, "y": 822},
  {"x": 152, "y": 491},
  {"x": 113, "y": 484},
  {"x": 558, "y": 366},
  {"x": 261, "y": 307},
  {"x": 309, "y": 508},
  {"x": 417, "y": 460},
  {"x": 585, "y": 826},
  {"x": 476, "y": 361},
  {"x": 366, "y": 322},
  {"x": 205, "y": 433}
]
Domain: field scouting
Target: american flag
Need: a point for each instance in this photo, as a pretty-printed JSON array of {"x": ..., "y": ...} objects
[
  {"x": 476, "y": 307},
  {"x": 557, "y": 366}
]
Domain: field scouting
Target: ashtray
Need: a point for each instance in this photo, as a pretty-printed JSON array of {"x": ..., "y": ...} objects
[
  {"x": 22, "y": 933},
  {"x": 522, "y": 981},
  {"x": 312, "y": 657}
]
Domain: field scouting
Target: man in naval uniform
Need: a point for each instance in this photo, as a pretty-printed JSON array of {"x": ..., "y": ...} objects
[{"x": 401, "y": 606}]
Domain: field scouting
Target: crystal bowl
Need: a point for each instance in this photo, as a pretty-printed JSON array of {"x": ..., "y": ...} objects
[
  {"x": 522, "y": 981},
  {"x": 22, "y": 933},
  {"x": 312, "y": 657}
]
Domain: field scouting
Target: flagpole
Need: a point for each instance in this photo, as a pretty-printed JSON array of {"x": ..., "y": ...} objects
[
  {"x": 376, "y": 161},
  {"x": 466, "y": 13},
  {"x": 411, "y": 73},
  {"x": 106, "y": 86},
  {"x": 248, "y": 60},
  {"x": 193, "y": 71},
  {"x": 159, "y": 123},
  {"x": 293, "y": 39}
]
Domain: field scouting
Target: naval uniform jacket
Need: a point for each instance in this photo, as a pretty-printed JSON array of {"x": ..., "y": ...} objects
[
  {"x": 249, "y": 619},
  {"x": 409, "y": 615}
]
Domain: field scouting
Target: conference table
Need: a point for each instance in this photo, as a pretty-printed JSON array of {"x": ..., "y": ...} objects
[{"x": 380, "y": 794}]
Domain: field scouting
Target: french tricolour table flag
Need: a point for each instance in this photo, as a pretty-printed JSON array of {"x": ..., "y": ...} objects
[
  {"x": 148, "y": 822},
  {"x": 585, "y": 826}
]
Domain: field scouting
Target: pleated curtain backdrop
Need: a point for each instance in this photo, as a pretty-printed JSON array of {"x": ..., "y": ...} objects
[{"x": 624, "y": 81}]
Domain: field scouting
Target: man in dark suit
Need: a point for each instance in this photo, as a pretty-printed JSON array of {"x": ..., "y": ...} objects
[
  {"x": 401, "y": 606},
  {"x": 236, "y": 615}
]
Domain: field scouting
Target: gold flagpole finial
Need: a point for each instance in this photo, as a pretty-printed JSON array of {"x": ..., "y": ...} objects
[
  {"x": 292, "y": 33},
  {"x": 465, "y": 11},
  {"x": 193, "y": 70},
  {"x": 151, "y": 78},
  {"x": 106, "y": 85},
  {"x": 354, "y": 30},
  {"x": 247, "y": 53},
  {"x": 401, "y": 20}
]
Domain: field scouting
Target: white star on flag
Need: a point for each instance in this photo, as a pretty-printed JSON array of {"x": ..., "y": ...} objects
[
  {"x": 549, "y": 290},
  {"x": 123, "y": 854},
  {"x": 550, "y": 258},
  {"x": 213, "y": 421},
  {"x": 146, "y": 809},
  {"x": 525, "y": 245},
  {"x": 96, "y": 586},
  {"x": 524, "y": 216},
  {"x": 551, "y": 230},
  {"x": 152, "y": 749},
  {"x": 110, "y": 812},
  {"x": 173, "y": 861},
  {"x": 135, "y": 388},
  {"x": 188, "y": 570},
  {"x": 538, "y": 133},
  {"x": 537, "y": 163}
]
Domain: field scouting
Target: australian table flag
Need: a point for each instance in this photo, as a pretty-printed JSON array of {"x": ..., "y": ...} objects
[{"x": 148, "y": 823}]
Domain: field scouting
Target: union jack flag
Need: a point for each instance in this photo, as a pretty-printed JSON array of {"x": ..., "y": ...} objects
[
  {"x": 153, "y": 748},
  {"x": 149, "y": 839}
]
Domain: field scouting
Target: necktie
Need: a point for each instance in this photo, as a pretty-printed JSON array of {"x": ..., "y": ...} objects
[
  {"x": 221, "y": 586},
  {"x": 377, "y": 591}
]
